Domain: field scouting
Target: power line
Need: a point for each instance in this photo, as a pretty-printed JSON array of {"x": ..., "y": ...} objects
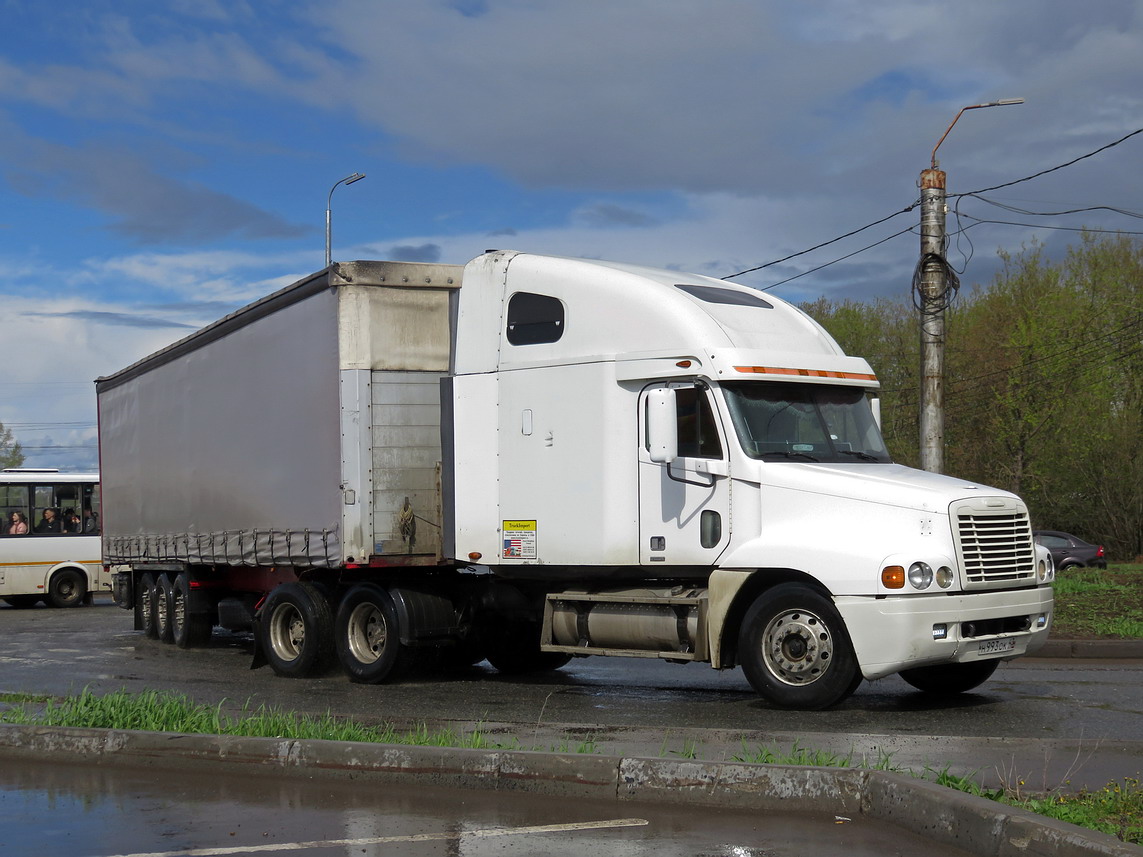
[
  {"x": 977, "y": 221},
  {"x": 824, "y": 244},
  {"x": 1017, "y": 210},
  {"x": 1052, "y": 169},
  {"x": 835, "y": 261},
  {"x": 956, "y": 196}
]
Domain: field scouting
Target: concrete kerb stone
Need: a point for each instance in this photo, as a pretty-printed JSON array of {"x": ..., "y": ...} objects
[{"x": 940, "y": 814}]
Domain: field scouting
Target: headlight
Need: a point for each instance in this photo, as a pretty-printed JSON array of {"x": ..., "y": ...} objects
[
  {"x": 920, "y": 575},
  {"x": 944, "y": 577}
]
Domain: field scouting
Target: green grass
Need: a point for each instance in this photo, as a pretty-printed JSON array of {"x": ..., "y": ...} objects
[
  {"x": 157, "y": 711},
  {"x": 1094, "y": 603},
  {"x": 1116, "y": 809}
]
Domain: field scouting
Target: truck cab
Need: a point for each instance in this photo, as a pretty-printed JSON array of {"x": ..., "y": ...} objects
[{"x": 615, "y": 424}]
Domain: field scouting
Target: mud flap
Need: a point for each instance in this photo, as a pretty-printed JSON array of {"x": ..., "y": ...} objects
[{"x": 259, "y": 659}]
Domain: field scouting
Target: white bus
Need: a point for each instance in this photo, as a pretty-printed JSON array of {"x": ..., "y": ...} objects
[{"x": 49, "y": 538}]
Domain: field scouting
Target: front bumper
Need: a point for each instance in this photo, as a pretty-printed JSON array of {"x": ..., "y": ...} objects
[{"x": 893, "y": 634}]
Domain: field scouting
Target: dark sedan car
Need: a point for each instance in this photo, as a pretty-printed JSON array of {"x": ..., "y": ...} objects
[{"x": 1070, "y": 552}]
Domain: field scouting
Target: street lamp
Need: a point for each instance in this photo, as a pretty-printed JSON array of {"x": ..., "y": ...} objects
[
  {"x": 934, "y": 297},
  {"x": 356, "y": 177}
]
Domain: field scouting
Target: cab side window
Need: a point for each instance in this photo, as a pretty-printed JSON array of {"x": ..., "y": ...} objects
[{"x": 698, "y": 431}]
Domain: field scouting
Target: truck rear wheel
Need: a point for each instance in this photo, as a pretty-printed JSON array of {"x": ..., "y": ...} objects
[
  {"x": 145, "y": 604},
  {"x": 950, "y": 678},
  {"x": 368, "y": 636},
  {"x": 188, "y": 629},
  {"x": 67, "y": 588},
  {"x": 161, "y": 608},
  {"x": 795, "y": 651},
  {"x": 296, "y": 630}
]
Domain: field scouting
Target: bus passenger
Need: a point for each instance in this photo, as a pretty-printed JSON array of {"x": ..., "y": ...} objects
[
  {"x": 72, "y": 522},
  {"x": 18, "y": 525},
  {"x": 50, "y": 522}
]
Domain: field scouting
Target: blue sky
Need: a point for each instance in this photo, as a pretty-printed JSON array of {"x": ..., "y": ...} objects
[{"x": 165, "y": 161}]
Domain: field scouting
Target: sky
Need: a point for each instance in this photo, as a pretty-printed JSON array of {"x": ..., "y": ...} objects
[{"x": 163, "y": 162}]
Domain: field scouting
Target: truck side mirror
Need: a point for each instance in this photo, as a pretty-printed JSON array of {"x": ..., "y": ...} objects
[
  {"x": 875, "y": 404},
  {"x": 662, "y": 426}
]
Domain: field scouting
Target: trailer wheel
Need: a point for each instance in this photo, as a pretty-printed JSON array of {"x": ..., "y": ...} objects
[
  {"x": 296, "y": 630},
  {"x": 795, "y": 651},
  {"x": 368, "y": 636},
  {"x": 161, "y": 608},
  {"x": 145, "y": 604},
  {"x": 67, "y": 588},
  {"x": 188, "y": 630},
  {"x": 948, "y": 679},
  {"x": 514, "y": 649}
]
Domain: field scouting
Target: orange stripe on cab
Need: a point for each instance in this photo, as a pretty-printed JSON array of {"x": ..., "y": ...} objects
[{"x": 804, "y": 373}]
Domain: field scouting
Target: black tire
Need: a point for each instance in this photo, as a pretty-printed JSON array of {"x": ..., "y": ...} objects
[
  {"x": 295, "y": 630},
  {"x": 948, "y": 679},
  {"x": 514, "y": 649},
  {"x": 161, "y": 608},
  {"x": 188, "y": 630},
  {"x": 67, "y": 588},
  {"x": 22, "y": 601},
  {"x": 145, "y": 605},
  {"x": 368, "y": 636},
  {"x": 795, "y": 650}
]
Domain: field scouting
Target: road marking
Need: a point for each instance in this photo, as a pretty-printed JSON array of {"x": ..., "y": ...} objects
[{"x": 380, "y": 840}]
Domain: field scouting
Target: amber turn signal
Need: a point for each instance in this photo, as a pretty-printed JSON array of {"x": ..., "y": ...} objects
[{"x": 893, "y": 577}]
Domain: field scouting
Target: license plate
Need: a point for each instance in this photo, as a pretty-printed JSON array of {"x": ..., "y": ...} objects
[{"x": 992, "y": 647}]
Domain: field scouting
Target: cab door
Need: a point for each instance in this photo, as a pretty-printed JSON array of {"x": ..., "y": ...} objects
[{"x": 684, "y": 503}]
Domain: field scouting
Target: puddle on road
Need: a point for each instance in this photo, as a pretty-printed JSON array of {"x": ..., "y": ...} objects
[{"x": 80, "y": 810}]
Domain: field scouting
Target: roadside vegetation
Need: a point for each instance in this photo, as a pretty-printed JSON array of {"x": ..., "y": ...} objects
[
  {"x": 1094, "y": 603},
  {"x": 1116, "y": 809}
]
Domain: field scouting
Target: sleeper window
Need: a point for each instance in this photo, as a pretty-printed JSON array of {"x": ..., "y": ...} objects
[{"x": 534, "y": 319}]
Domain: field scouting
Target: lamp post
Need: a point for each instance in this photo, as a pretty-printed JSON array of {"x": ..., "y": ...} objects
[
  {"x": 934, "y": 299},
  {"x": 356, "y": 177}
]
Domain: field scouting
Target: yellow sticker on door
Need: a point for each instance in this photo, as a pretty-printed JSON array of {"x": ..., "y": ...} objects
[{"x": 519, "y": 539}]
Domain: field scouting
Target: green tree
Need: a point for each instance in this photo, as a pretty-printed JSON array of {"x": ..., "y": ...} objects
[
  {"x": 11, "y": 455},
  {"x": 885, "y": 334}
]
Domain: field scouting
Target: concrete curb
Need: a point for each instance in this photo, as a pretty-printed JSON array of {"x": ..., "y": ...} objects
[
  {"x": 940, "y": 814},
  {"x": 1109, "y": 649}
]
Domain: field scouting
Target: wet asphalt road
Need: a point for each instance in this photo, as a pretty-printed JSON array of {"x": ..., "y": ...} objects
[
  {"x": 1042, "y": 721},
  {"x": 49, "y": 810}
]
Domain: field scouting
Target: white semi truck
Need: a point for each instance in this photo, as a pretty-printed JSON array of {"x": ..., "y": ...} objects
[{"x": 531, "y": 458}]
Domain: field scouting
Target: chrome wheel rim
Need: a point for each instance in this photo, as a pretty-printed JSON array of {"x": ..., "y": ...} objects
[
  {"x": 367, "y": 633},
  {"x": 797, "y": 647}
]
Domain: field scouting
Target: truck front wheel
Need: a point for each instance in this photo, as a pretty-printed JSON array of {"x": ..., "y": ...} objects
[
  {"x": 795, "y": 651},
  {"x": 950, "y": 678},
  {"x": 368, "y": 637},
  {"x": 296, "y": 630}
]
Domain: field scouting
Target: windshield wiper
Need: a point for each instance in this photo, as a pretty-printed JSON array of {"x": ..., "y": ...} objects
[
  {"x": 784, "y": 454},
  {"x": 864, "y": 456}
]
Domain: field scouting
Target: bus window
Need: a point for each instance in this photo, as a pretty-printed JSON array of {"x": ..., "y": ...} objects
[{"x": 13, "y": 498}]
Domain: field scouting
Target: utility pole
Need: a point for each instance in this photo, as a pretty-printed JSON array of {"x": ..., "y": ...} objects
[
  {"x": 934, "y": 294},
  {"x": 933, "y": 299}
]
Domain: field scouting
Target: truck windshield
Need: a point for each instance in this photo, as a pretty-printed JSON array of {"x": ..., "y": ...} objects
[{"x": 804, "y": 422}]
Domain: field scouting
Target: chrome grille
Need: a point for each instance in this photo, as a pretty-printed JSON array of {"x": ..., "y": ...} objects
[{"x": 994, "y": 542}]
